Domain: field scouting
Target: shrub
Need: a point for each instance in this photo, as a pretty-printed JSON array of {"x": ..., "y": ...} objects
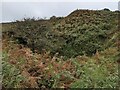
[
  {"x": 82, "y": 32},
  {"x": 11, "y": 75},
  {"x": 94, "y": 75}
]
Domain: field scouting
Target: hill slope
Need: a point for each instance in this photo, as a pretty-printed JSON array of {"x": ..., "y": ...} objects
[
  {"x": 76, "y": 51},
  {"x": 81, "y": 32}
]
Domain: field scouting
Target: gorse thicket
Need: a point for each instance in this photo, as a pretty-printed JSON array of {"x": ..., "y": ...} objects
[
  {"x": 81, "y": 32},
  {"x": 80, "y": 50}
]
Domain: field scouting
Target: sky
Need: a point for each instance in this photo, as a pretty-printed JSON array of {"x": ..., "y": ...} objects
[{"x": 12, "y": 11}]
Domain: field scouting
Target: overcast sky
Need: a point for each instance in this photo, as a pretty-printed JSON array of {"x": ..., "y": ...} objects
[{"x": 12, "y": 11}]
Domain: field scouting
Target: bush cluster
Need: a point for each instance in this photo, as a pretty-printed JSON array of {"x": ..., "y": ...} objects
[{"x": 81, "y": 32}]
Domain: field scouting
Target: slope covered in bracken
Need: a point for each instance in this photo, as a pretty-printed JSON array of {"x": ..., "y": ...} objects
[
  {"x": 76, "y": 51},
  {"x": 24, "y": 69},
  {"x": 81, "y": 32}
]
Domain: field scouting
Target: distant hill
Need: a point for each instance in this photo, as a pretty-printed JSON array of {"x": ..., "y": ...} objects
[{"x": 81, "y": 32}]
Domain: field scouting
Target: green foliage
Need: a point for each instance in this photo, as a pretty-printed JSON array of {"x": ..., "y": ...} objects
[
  {"x": 82, "y": 46},
  {"x": 46, "y": 82},
  {"x": 94, "y": 75},
  {"x": 11, "y": 75},
  {"x": 82, "y": 32},
  {"x": 40, "y": 70}
]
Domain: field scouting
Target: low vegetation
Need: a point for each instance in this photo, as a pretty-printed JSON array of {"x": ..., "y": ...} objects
[{"x": 77, "y": 51}]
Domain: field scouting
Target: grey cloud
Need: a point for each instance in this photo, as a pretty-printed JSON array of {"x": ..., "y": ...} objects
[{"x": 17, "y": 10}]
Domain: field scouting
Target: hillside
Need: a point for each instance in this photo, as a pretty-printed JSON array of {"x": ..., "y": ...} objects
[
  {"x": 75, "y": 51},
  {"x": 87, "y": 29}
]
